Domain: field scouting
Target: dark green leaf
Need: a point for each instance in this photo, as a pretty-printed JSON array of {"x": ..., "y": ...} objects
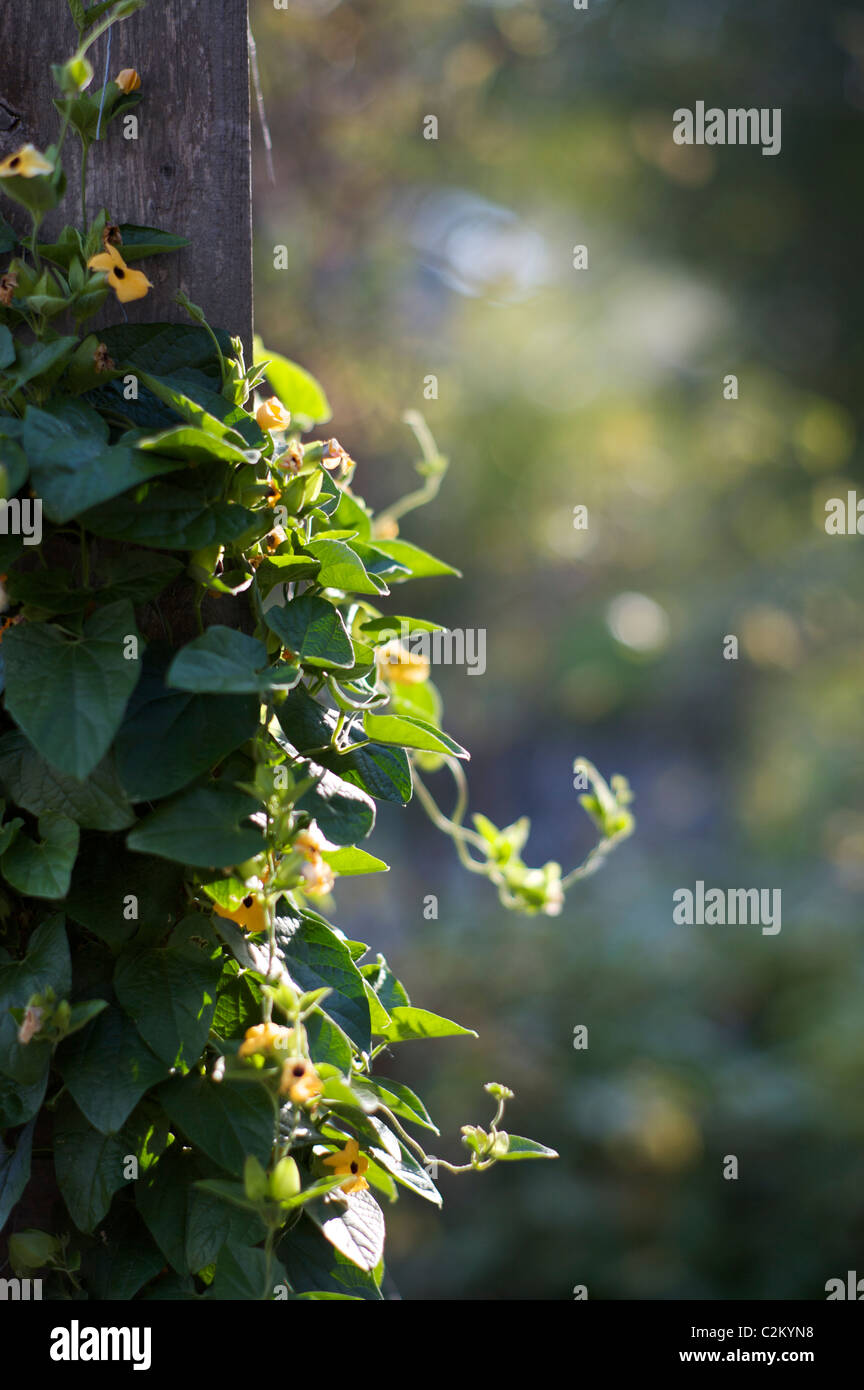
[
  {"x": 227, "y": 1120},
  {"x": 14, "y": 1171},
  {"x": 43, "y": 868},
  {"x": 313, "y": 630},
  {"x": 69, "y": 695},
  {"x": 314, "y": 957},
  {"x": 89, "y": 1165},
  {"x": 107, "y": 1068},
  {"x": 99, "y": 803},
  {"x": 170, "y": 993},
  {"x": 224, "y": 661},
  {"x": 201, "y": 826}
]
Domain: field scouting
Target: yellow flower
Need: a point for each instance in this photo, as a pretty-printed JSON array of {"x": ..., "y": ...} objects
[
  {"x": 352, "y": 1163},
  {"x": 26, "y": 163},
  {"x": 128, "y": 80},
  {"x": 272, "y": 415},
  {"x": 127, "y": 284},
  {"x": 300, "y": 1081},
  {"x": 310, "y": 842},
  {"x": 264, "y": 1037},
  {"x": 400, "y": 666},
  {"x": 250, "y": 915},
  {"x": 318, "y": 877}
]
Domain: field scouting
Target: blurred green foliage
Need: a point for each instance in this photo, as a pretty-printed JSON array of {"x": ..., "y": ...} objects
[{"x": 556, "y": 388}]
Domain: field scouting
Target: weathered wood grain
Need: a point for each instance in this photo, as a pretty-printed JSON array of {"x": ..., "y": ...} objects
[{"x": 189, "y": 170}]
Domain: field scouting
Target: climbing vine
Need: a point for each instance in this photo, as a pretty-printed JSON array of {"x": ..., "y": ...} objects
[{"x": 202, "y": 704}]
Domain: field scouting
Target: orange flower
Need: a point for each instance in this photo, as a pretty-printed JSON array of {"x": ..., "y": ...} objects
[
  {"x": 127, "y": 284},
  {"x": 128, "y": 80},
  {"x": 300, "y": 1081},
  {"x": 102, "y": 362},
  {"x": 352, "y": 1163},
  {"x": 400, "y": 666},
  {"x": 250, "y": 915},
  {"x": 8, "y": 286},
  {"x": 272, "y": 415},
  {"x": 264, "y": 1037},
  {"x": 26, "y": 163}
]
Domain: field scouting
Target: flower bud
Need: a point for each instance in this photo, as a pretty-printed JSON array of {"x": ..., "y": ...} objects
[{"x": 285, "y": 1180}]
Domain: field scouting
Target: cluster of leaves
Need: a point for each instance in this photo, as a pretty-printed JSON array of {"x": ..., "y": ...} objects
[{"x": 179, "y": 1025}]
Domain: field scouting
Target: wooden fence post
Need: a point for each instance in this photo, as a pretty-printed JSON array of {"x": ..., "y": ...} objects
[{"x": 189, "y": 169}]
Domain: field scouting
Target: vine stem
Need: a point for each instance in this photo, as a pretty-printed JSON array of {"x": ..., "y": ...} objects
[{"x": 458, "y": 833}]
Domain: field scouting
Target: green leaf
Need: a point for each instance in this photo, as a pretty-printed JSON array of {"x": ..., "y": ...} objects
[
  {"x": 317, "y": 1270},
  {"x": 395, "y": 1158},
  {"x": 201, "y": 827},
  {"x": 14, "y": 1171},
  {"x": 127, "y": 1260},
  {"x": 407, "y": 1023},
  {"x": 344, "y": 813},
  {"x": 107, "y": 1068},
  {"x": 147, "y": 241},
  {"x": 397, "y": 1097},
  {"x": 328, "y": 1043},
  {"x": 298, "y": 391},
  {"x": 314, "y": 957},
  {"x": 165, "y": 348},
  {"x": 20, "y": 1101},
  {"x": 242, "y": 1273},
  {"x": 355, "y": 1228},
  {"x": 224, "y": 661},
  {"x": 99, "y": 803},
  {"x": 382, "y": 772},
  {"x": 89, "y": 1165},
  {"x": 35, "y": 360},
  {"x": 354, "y": 861},
  {"x": 73, "y": 475},
  {"x": 204, "y": 408},
  {"x": 342, "y": 568},
  {"x": 109, "y": 883},
  {"x": 389, "y": 990},
  {"x": 192, "y": 445},
  {"x": 409, "y": 732},
  {"x": 170, "y": 993},
  {"x": 7, "y": 342},
  {"x": 227, "y": 1120},
  {"x": 192, "y": 732},
  {"x": 418, "y": 562},
  {"x": 210, "y": 1221},
  {"x": 43, "y": 869},
  {"x": 313, "y": 630},
  {"x": 524, "y": 1148},
  {"x": 8, "y": 237},
  {"x": 171, "y": 517},
  {"x": 162, "y": 1196},
  {"x": 68, "y": 696}
]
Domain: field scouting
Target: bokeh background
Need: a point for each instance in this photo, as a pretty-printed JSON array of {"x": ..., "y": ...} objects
[{"x": 605, "y": 388}]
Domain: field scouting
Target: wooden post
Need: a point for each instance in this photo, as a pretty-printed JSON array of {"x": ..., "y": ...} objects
[{"x": 189, "y": 171}]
